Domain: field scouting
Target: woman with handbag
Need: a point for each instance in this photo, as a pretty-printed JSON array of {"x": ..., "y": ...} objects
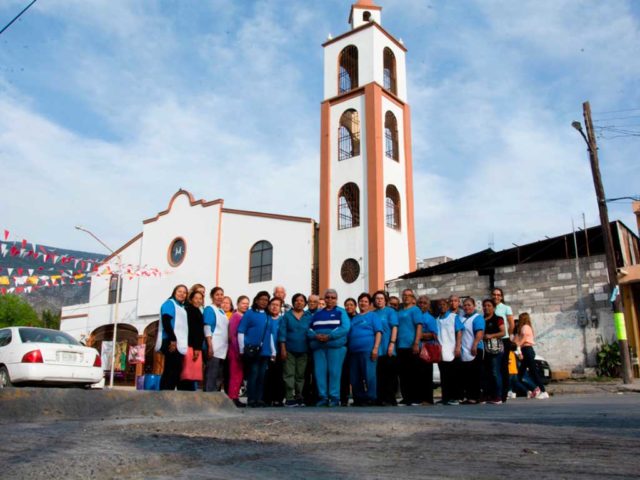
[
  {"x": 429, "y": 345},
  {"x": 216, "y": 332},
  {"x": 493, "y": 352},
  {"x": 172, "y": 337},
  {"x": 255, "y": 343},
  {"x": 449, "y": 336},
  {"x": 192, "y": 362}
]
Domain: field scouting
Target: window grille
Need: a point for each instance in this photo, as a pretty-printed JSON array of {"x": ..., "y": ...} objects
[
  {"x": 348, "y": 71},
  {"x": 390, "y": 71},
  {"x": 391, "y": 136},
  {"x": 392, "y": 203},
  {"x": 261, "y": 262},
  {"x": 350, "y": 270},
  {"x": 348, "y": 206},
  {"x": 349, "y": 135}
]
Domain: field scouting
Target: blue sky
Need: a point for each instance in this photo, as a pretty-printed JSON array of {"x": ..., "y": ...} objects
[{"x": 109, "y": 107}]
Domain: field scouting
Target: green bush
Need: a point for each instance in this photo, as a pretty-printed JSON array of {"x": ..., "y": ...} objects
[
  {"x": 15, "y": 311},
  {"x": 609, "y": 363}
]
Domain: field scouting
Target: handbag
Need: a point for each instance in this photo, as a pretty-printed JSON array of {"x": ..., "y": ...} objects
[
  {"x": 191, "y": 369},
  {"x": 494, "y": 346},
  {"x": 431, "y": 352},
  {"x": 252, "y": 352}
]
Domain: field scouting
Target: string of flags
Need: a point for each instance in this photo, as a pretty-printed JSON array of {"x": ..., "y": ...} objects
[{"x": 26, "y": 280}]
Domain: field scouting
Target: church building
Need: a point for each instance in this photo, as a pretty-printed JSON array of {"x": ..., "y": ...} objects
[{"x": 366, "y": 232}]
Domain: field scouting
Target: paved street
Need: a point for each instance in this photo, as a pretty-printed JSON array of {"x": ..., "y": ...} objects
[{"x": 568, "y": 436}]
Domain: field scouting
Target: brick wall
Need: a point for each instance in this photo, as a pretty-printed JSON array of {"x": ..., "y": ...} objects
[{"x": 549, "y": 292}]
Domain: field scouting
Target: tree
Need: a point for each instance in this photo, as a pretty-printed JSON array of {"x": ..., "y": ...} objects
[
  {"x": 15, "y": 311},
  {"x": 50, "y": 319}
]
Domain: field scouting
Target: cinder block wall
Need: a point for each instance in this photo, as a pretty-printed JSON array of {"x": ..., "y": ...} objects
[{"x": 549, "y": 292}]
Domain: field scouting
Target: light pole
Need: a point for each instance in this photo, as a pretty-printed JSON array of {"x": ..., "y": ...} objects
[
  {"x": 117, "y": 304},
  {"x": 616, "y": 297}
]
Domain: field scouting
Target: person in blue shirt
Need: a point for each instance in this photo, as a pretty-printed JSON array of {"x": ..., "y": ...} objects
[
  {"x": 364, "y": 347},
  {"x": 387, "y": 373},
  {"x": 450, "y": 337},
  {"x": 292, "y": 338},
  {"x": 408, "y": 348},
  {"x": 471, "y": 351},
  {"x": 254, "y": 333},
  {"x": 327, "y": 336},
  {"x": 273, "y": 381},
  {"x": 429, "y": 334},
  {"x": 351, "y": 307},
  {"x": 172, "y": 340}
]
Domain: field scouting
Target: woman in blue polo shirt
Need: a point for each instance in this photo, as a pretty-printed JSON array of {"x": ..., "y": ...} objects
[
  {"x": 254, "y": 334},
  {"x": 472, "y": 352},
  {"x": 364, "y": 345},
  {"x": 327, "y": 336},
  {"x": 293, "y": 349},
  {"x": 172, "y": 340},
  {"x": 429, "y": 334},
  {"x": 387, "y": 373},
  {"x": 409, "y": 333}
]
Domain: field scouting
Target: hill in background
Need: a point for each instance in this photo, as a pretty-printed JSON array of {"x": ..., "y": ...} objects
[{"x": 21, "y": 259}]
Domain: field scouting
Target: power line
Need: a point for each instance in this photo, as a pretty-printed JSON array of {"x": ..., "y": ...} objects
[
  {"x": 618, "y": 111},
  {"x": 617, "y": 118},
  {"x": 17, "y": 17}
]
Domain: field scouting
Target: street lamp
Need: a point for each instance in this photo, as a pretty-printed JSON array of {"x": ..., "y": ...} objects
[
  {"x": 115, "y": 320},
  {"x": 616, "y": 297}
]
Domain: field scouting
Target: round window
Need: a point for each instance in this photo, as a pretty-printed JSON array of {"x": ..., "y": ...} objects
[
  {"x": 177, "y": 252},
  {"x": 350, "y": 270}
]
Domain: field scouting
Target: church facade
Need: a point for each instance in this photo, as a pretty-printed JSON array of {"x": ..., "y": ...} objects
[{"x": 366, "y": 232}]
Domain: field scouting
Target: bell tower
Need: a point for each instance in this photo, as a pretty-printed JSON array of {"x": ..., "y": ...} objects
[{"x": 367, "y": 233}]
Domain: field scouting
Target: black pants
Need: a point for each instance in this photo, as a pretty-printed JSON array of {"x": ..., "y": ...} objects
[
  {"x": 387, "y": 373},
  {"x": 170, "y": 379},
  {"x": 504, "y": 369},
  {"x": 409, "y": 373},
  {"x": 472, "y": 372},
  {"x": 345, "y": 381},
  {"x": 309, "y": 391},
  {"x": 450, "y": 376},
  {"x": 274, "y": 383}
]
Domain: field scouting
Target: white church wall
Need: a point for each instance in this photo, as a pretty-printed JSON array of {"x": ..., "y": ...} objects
[
  {"x": 379, "y": 42},
  {"x": 293, "y": 250},
  {"x": 349, "y": 242},
  {"x": 396, "y": 241},
  {"x": 198, "y": 225}
]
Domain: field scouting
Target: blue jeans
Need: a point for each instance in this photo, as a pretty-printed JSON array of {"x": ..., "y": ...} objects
[
  {"x": 256, "y": 370},
  {"x": 492, "y": 375},
  {"x": 529, "y": 365},
  {"x": 328, "y": 369},
  {"x": 362, "y": 371}
]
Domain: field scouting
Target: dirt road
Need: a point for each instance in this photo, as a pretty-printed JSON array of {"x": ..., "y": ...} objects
[{"x": 584, "y": 437}]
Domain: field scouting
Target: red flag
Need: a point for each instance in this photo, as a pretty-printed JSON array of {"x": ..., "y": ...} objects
[
  {"x": 4, "y": 291},
  {"x": 14, "y": 251},
  {"x": 19, "y": 270},
  {"x": 19, "y": 289},
  {"x": 24, "y": 243},
  {"x": 42, "y": 249},
  {"x": 40, "y": 268},
  {"x": 6, "y": 235}
]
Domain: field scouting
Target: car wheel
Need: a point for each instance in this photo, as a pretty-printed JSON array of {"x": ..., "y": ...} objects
[{"x": 5, "y": 379}]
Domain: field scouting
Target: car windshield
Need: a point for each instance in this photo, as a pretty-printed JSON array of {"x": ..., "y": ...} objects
[{"x": 43, "y": 335}]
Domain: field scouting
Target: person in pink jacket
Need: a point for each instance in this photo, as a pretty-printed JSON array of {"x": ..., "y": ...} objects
[
  {"x": 525, "y": 341},
  {"x": 236, "y": 374}
]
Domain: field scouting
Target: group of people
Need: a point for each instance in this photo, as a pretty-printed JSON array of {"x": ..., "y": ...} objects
[{"x": 315, "y": 352}]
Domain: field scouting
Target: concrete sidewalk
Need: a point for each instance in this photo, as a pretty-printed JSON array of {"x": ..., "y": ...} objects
[{"x": 568, "y": 387}]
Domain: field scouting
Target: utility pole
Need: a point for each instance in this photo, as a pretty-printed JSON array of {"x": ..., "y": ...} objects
[{"x": 616, "y": 297}]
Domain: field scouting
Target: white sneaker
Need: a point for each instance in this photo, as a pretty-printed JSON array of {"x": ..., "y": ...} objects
[
  {"x": 511, "y": 395},
  {"x": 542, "y": 396}
]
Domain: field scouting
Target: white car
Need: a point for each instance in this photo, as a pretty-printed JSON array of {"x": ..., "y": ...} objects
[{"x": 31, "y": 355}]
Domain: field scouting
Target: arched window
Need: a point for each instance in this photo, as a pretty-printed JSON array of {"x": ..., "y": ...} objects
[
  {"x": 261, "y": 262},
  {"x": 392, "y": 203},
  {"x": 348, "y": 206},
  {"x": 390, "y": 71},
  {"x": 391, "y": 136},
  {"x": 366, "y": 16},
  {"x": 349, "y": 135},
  {"x": 348, "y": 66}
]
